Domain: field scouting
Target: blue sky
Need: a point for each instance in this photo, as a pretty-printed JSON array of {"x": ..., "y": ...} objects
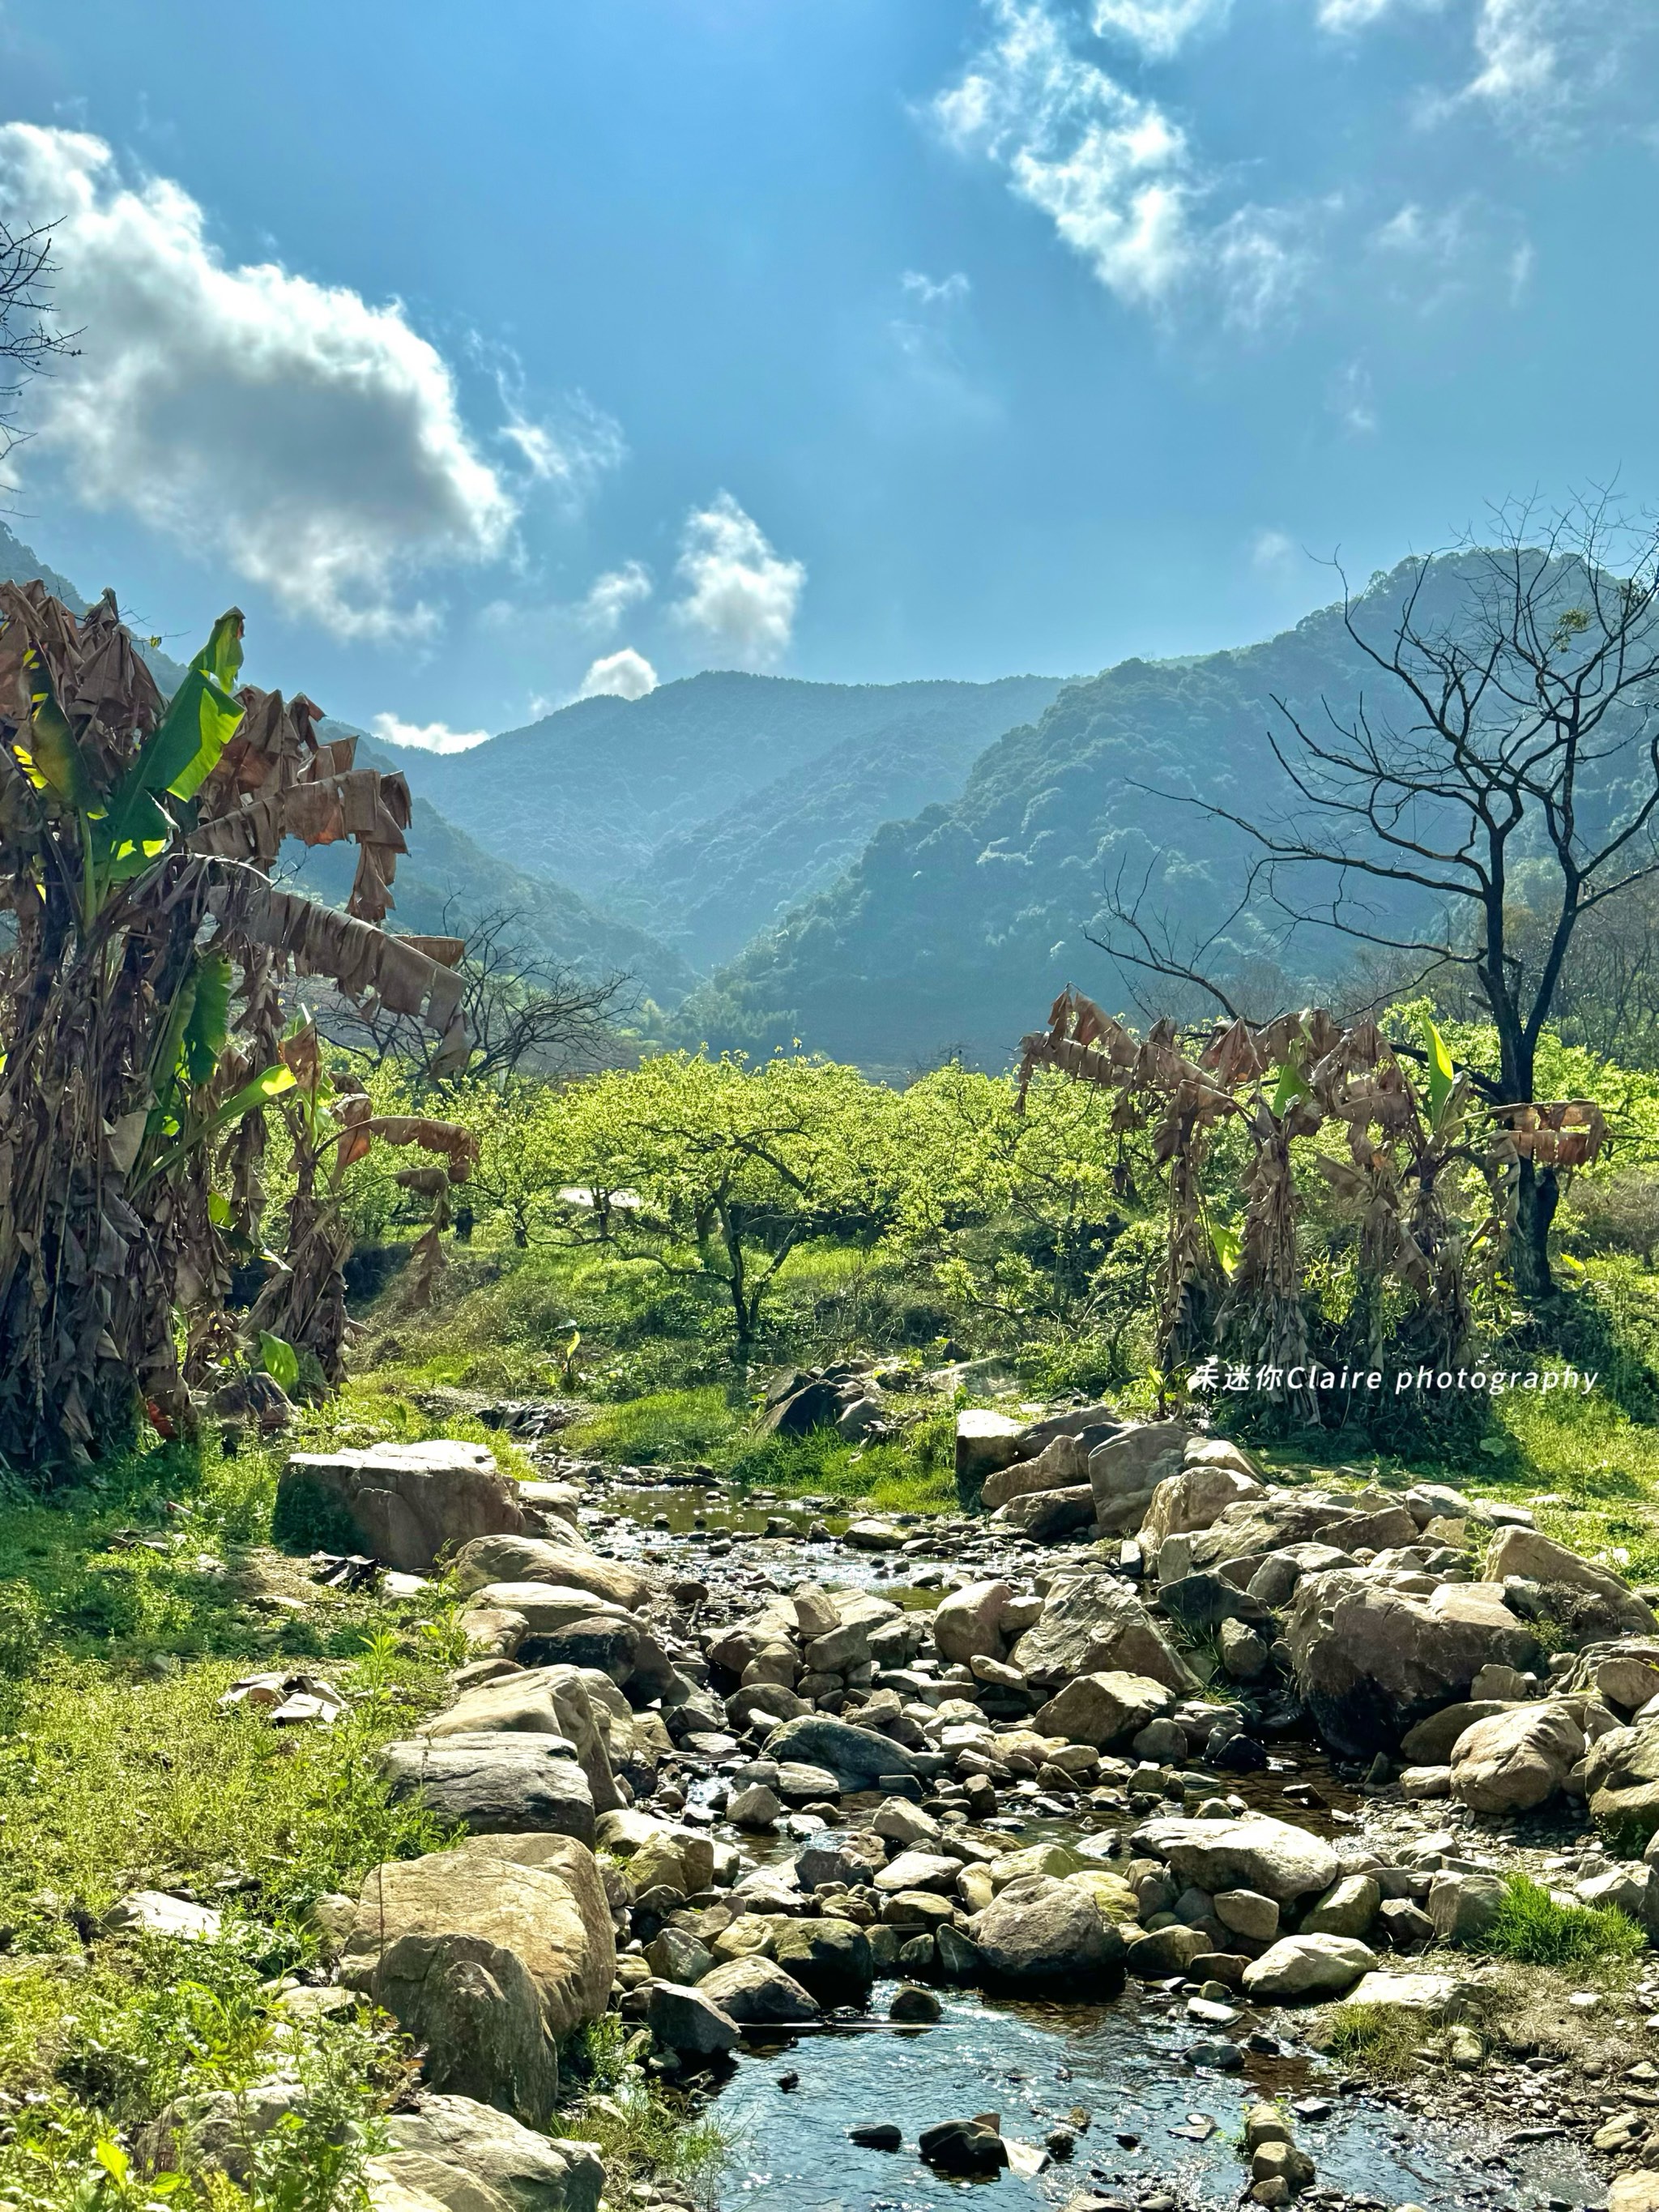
[{"x": 483, "y": 356}]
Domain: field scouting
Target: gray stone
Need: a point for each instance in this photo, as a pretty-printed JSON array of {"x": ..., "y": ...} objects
[
  {"x": 1247, "y": 1912},
  {"x": 471, "y": 2157},
  {"x": 1308, "y": 1966},
  {"x": 967, "y": 1623},
  {"x": 1092, "y": 1624},
  {"x": 1516, "y": 1760},
  {"x": 1040, "y": 1932},
  {"x": 154, "y": 1913},
  {"x": 756, "y": 1992},
  {"x": 1267, "y": 1856},
  {"x": 1463, "y": 1906},
  {"x": 495, "y": 1783},
  {"x": 1430, "y": 1743},
  {"x": 408, "y": 1503},
  {"x": 1347, "y": 1908},
  {"x": 685, "y": 2020},
  {"x": 1523, "y": 1552},
  {"x": 509, "y": 1559},
  {"x": 1049, "y": 1514},
  {"x": 1102, "y": 1709},
  {"x": 857, "y": 1757}
]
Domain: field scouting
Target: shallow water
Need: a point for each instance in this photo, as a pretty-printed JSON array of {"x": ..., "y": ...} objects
[
  {"x": 685, "y": 1523},
  {"x": 1033, "y": 2065}
]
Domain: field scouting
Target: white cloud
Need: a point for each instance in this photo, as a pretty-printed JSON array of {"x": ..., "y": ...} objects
[
  {"x": 609, "y": 596},
  {"x": 570, "y": 452},
  {"x": 738, "y": 588},
  {"x": 428, "y": 736},
  {"x": 1113, "y": 171},
  {"x": 1352, "y": 401},
  {"x": 1158, "y": 27},
  {"x": 1351, "y": 15},
  {"x": 312, "y": 441},
  {"x": 1534, "y": 59},
  {"x": 624, "y": 675},
  {"x": 941, "y": 292},
  {"x": 1520, "y": 60},
  {"x": 1110, "y": 170},
  {"x": 1271, "y": 551}
]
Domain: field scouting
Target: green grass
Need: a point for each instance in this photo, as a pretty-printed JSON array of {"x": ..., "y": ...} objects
[
  {"x": 1381, "y": 2040},
  {"x": 663, "y": 1426},
  {"x": 643, "y": 2132},
  {"x": 1534, "y": 1930}
]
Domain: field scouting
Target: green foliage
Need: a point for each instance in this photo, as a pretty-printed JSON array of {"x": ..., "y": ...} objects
[{"x": 1533, "y": 1929}]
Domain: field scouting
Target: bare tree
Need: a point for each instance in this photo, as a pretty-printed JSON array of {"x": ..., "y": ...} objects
[
  {"x": 1514, "y": 738},
  {"x": 526, "y": 1015},
  {"x": 28, "y": 339}
]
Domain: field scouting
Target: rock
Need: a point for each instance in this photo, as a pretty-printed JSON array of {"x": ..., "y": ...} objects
[
  {"x": 1524, "y": 1553},
  {"x": 1049, "y": 1514},
  {"x": 900, "y": 1822},
  {"x": 469, "y": 2156},
  {"x": 1507, "y": 1685},
  {"x": 858, "y": 1757},
  {"x": 1061, "y": 1465},
  {"x": 1133, "y": 1460},
  {"x": 1247, "y": 1912},
  {"x": 487, "y": 1960},
  {"x": 830, "y": 1959},
  {"x": 1040, "y": 1932},
  {"x": 757, "y": 1992},
  {"x": 538, "y": 1701},
  {"x": 1162, "y": 1952},
  {"x": 985, "y": 1442},
  {"x": 969, "y": 2147},
  {"x": 1636, "y": 2191},
  {"x": 1430, "y": 1743},
  {"x": 1347, "y": 1908},
  {"x": 1113, "y": 1896},
  {"x": 1257, "y": 1853},
  {"x": 913, "y": 2004},
  {"x": 918, "y": 1871},
  {"x": 495, "y": 1783},
  {"x": 967, "y": 1623},
  {"x": 1307, "y": 1966},
  {"x": 1418, "y": 1783},
  {"x": 877, "y": 2135},
  {"x": 1202, "y": 1601},
  {"x": 1434, "y": 1994},
  {"x": 1244, "y": 1654},
  {"x": 1463, "y": 1906},
  {"x": 872, "y": 1536},
  {"x": 687, "y": 2022},
  {"x": 675, "y": 1954},
  {"x": 1102, "y": 1709},
  {"x": 1194, "y": 1499},
  {"x": 1408, "y": 1926},
  {"x": 548, "y": 1607},
  {"x": 531, "y": 1559},
  {"x": 406, "y": 1503},
  {"x": 1092, "y": 1624},
  {"x": 154, "y": 1913},
  {"x": 1621, "y": 1781},
  {"x": 1515, "y": 1760},
  {"x": 1371, "y": 1658}
]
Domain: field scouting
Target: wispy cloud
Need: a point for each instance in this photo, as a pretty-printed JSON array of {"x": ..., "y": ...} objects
[
  {"x": 609, "y": 597},
  {"x": 427, "y": 736},
  {"x": 1113, "y": 172}
]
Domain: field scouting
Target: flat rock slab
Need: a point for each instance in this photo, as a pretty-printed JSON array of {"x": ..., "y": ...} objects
[
  {"x": 1261, "y": 1854},
  {"x": 497, "y": 1784},
  {"x": 406, "y": 1503}
]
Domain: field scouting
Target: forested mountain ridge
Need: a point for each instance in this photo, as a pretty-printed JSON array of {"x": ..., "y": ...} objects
[
  {"x": 952, "y": 931},
  {"x": 594, "y": 790}
]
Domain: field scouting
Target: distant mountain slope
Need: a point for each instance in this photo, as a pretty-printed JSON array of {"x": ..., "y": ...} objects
[
  {"x": 590, "y": 792},
  {"x": 953, "y": 931},
  {"x": 709, "y": 888},
  {"x": 444, "y": 871}
]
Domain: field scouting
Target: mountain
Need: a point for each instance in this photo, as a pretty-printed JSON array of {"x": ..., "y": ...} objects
[
  {"x": 685, "y": 804},
  {"x": 444, "y": 878},
  {"x": 952, "y": 931}
]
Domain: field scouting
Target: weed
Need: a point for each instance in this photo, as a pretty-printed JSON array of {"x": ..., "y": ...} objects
[
  {"x": 1532, "y": 1929},
  {"x": 1381, "y": 2040}
]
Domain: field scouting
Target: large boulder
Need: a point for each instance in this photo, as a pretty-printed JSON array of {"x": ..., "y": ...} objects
[
  {"x": 1039, "y": 1932},
  {"x": 1513, "y": 1760},
  {"x": 511, "y": 1558},
  {"x": 966, "y": 1624},
  {"x": 1613, "y": 1606},
  {"x": 1621, "y": 1780},
  {"x": 1134, "y": 1462},
  {"x": 1255, "y": 1853},
  {"x": 487, "y": 1956},
  {"x": 555, "y": 1701},
  {"x": 986, "y": 1443},
  {"x": 1060, "y": 1463},
  {"x": 829, "y": 1958},
  {"x": 471, "y": 2157},
  {"x": 495, "y": 1783},
  {"x": 1046, "y": 1514},
  {"x": 1372, "y": 1655},
  {"x": 1093, "y": 1624},
  {"x": 1195, "y": 1498},
  {"x": 857, "y": 1757},
  {"x": 408, "y": 1504},
  {"x": 1103, "y": 1709},
  {"x": 758, "y": 1992},
  {"x": 1308, "y": 1966},
  {"x": 549, "y": 1607},
  {"x": 1430, "y": 1742},
  {"x": 1280, "y": 1518}
]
